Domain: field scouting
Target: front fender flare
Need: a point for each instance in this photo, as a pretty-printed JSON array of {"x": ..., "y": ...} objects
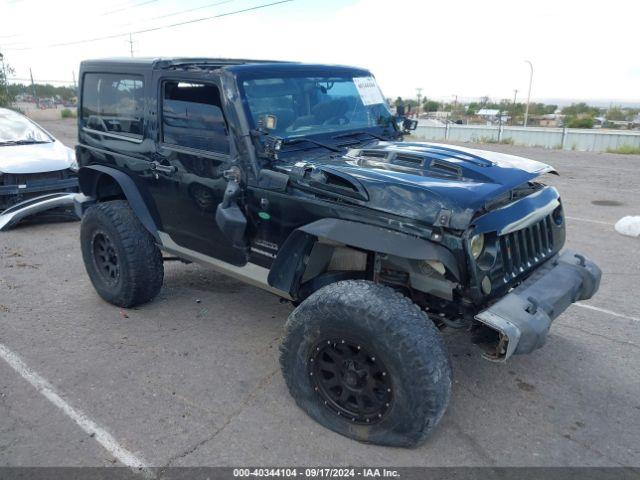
[
  {"x": 288, "y": 267},
  {"x": 89, "y": 176}
]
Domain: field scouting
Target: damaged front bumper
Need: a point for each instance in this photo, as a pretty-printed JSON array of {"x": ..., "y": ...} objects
[
  {"x": 17, "y": 212},
  {"x": 523, "y": 317}
]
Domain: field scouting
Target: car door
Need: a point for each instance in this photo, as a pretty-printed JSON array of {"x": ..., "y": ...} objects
[{"x": 188, "y": 167}]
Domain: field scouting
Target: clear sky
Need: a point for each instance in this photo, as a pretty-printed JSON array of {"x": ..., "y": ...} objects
[{"x": 470, "y": 48}]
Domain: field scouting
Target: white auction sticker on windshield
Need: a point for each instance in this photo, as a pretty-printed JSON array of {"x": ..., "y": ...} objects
[{"x": 368, "y": 90}]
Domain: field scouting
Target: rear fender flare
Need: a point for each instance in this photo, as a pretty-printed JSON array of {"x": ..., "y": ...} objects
[
  {"x": 289, "y": 265},
  {"x": 89, "y": 176}
]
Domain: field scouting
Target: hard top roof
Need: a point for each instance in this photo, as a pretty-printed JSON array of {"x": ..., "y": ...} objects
[{"x": 235, "y": 65}]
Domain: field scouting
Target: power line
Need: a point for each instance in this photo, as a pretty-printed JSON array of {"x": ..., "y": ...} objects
[
  {"x": 13, "y": 43},
  {"x": 191, "y": 10},
  {"x": 140, "y": 4},
  {"x": 181, "y": 12},
  {"x": 154, "y": 29}
]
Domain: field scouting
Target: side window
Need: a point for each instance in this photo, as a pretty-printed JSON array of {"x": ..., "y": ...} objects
[
  {"x": 113, "y": 103},
  {"x": 192, "y": 117}
]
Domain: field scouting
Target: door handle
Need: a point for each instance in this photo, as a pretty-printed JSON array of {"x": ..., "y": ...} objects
[{"x": 158, "y": 167}]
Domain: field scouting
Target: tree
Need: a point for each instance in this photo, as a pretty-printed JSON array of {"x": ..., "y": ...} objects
[
  {"x": 430, "y": 105},
  {"x": 6, "y": 98},
  {"x": 579, "y": 122},
  {"x": 616, "y": 113},
  {"x": 46, "y": 90},
  {"x": 576, "y": 109}
]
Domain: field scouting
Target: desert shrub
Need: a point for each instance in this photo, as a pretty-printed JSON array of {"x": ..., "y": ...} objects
[
  {"x": 67, "y": 113},
  {"x": 625, "y": 149}
]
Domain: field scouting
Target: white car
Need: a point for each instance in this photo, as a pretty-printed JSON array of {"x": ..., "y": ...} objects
[{"x": 37, "y": 172}]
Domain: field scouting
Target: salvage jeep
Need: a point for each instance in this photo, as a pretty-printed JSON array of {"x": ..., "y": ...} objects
[{"x": 295, "y": 178}]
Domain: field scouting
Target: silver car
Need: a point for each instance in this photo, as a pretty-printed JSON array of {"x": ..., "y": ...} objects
[{"x": 37, "y": 172}]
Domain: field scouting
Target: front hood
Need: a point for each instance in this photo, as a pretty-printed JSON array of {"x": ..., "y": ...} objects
[
  {"x": 439, "y": 184},
  {"x": 36, "y": 158}
]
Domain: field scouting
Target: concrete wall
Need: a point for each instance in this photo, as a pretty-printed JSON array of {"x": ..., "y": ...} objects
[{"x": 565, "y": 138}]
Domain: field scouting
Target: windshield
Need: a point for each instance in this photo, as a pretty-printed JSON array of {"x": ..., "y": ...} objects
[
  {"x": 14, "y": 128},
  {"x": 291, "y": 105}
]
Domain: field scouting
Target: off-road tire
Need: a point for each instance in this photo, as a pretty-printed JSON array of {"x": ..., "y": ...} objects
[
  {"x": 138, "y": 258},
  {"x": 397, "y": 331}
]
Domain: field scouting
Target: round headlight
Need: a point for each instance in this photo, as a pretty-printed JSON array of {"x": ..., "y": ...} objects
[{"x": 477, "y": 245}]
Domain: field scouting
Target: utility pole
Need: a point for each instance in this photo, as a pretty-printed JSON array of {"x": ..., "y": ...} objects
[
  {"x": 75, "y": 85},
  {"x": 131, "y": 44},
  {"x": 33, "y": 88},
  {"x": 455, "y": 105},
  {"x": 513, "y": 113},
  {"x": 526, "y": 112},
  {"x": 419, "y": 92}
]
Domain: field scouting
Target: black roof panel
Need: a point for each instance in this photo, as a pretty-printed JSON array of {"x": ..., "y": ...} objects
[{"x": 235, "y": 65}]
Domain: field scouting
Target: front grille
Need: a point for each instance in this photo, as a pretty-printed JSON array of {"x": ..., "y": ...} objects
[
  {"x": 527, "y": 247},
  {"x": 16, "y": 188},
  {"x": 33, "y": 178}
]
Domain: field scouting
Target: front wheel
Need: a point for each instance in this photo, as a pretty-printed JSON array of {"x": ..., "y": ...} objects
[{"x": 364, "y": 361}]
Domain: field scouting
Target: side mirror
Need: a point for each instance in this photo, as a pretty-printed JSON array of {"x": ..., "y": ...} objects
[
  {"x": 229, "y": 217},
  {"x": 408, "y": 124}
]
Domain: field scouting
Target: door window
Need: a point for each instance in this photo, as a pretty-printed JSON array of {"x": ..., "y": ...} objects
[
  {"x": 192, "y": 117},
  {"x": 113, "y": 103}
]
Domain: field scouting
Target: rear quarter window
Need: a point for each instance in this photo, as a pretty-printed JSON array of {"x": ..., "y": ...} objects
[{"x": 113, "y": 103}]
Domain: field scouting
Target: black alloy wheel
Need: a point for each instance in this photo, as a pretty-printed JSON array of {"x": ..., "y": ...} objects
[
  {"x": 105, "y": 258},
  {"x": 351, "y": 380}
]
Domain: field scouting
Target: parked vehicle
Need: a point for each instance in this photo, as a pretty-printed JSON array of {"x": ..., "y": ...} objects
[
  {"x": 37, "y": 172},
  {"x": 295, "y": 178}
]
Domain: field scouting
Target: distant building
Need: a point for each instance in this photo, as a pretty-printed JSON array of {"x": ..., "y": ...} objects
[
  {"x": 488, "y": 112},
  {"x": 439, "y": 115},
  {"x": 492, "y": 115},
  {"x": 550, "y": 120},
  {"x": 621, "y": 124}
]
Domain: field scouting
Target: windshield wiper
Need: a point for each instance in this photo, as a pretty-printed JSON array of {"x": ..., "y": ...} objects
[
  {"x": 360, "y": 132},
  {"x": 292, "y": 141},
  {"x": 23, "y": 142}
]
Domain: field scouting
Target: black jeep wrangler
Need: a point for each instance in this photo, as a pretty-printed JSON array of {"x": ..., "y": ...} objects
[{"x": 295, "y": 178}]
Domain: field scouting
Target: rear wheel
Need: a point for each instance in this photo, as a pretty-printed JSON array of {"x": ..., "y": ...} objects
[
  {"x": 120, "y": 255},
  {"x": 366, "y": 362}
]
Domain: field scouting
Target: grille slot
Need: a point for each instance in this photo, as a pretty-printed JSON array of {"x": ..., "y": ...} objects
[
  {"x": 525, "y": 248},
  {"x": 33, "y": 178}
]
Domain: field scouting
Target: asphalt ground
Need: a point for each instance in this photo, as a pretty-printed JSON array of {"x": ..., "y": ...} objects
[{"x": 192, "y": 378}]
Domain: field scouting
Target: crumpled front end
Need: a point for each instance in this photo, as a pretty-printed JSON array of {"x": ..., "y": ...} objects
[
  {"x": 22, "y": 195},
  {"x": 523, "y": 317}
]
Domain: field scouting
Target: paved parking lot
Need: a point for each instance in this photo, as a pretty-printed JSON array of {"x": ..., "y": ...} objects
[{"x": 192, "y": 378}]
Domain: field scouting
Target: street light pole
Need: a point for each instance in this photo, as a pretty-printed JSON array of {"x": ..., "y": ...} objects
[
  {"x": 526, "y": 112},
  {"x": 419, "y": 92}
]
